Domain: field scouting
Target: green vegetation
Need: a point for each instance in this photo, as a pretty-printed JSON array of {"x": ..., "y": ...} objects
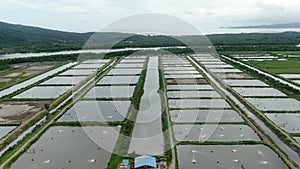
[
  {"x": 278, "y": 66},
  {"x": 286, "y": 41},
  {"x": 164, "y": 116},
  {"x": 274, "y": 83},
  {"x": 148, "y": 41},
  {"x": 23, "y": 39}
]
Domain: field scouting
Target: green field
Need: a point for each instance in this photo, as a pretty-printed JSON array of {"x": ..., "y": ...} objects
[{"x": 277, "y": 66}]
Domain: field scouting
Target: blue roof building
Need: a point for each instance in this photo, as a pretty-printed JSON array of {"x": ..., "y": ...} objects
[{"x": 145, "y": 162}]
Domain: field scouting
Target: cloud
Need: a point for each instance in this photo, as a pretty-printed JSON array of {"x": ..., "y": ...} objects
[{"x": 90, "y": 15}]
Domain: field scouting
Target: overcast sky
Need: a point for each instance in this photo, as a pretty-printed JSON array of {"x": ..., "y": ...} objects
[{"x": 92, "y": 15}]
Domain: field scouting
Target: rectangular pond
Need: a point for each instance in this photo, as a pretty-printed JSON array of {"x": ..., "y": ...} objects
[
  {"x": 147, "y": 136},
  {"x": 190, "y": 87},
  {"x": 225, "y": 70},
  {"x": 116, "y": 72},
  {"x": 275, "y": 104},
  {"x": 113, "y": 80},
  {"x": 4, "y": 130},
  {"x": 43, "y": 92},
  {"x": 234, "y": 75},
  {"x": 187, "y": 76},
  {"x": 132, "y": 61},
  {"x": 181, "y": 72},
  {"x": 287, "y": 121},
  {"x": 254, "y": 91},
  {"x": 290, "y": 76},
  {"x": 178, "y": 68},
  {"x": 220, "y": 66},
  {"x": 186, "y": 81},
  {"x": 64, "y": 80},
  {"x": 110, "y": 92},
  {"x": 70, "y": 147},
  {"x": 95, "y": 61},
  {"x": 198, "y": 103},
  {"x": 250, "y": 83},
  {"x": 99, "y": 111},
  {"x": 78, "y": 72},
  {"x": 88, "y": 66},
  {"x": 193, "y": 94},
  {"x": 133, "y": 65},
  {"x": 228, "y": 156},
  {"x": 205, "y": 116},
  {"x": 213, "y": 63},
  {"x": 214, "y": 132}
]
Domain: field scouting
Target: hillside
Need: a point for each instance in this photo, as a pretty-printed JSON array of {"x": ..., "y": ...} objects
[{"x": 18, "y": 38}]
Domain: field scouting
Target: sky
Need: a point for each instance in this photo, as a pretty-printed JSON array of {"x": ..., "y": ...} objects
[{"x": 93, "y": 15}]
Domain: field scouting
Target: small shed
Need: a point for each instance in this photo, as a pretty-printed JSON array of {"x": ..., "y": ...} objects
[{"x": 144, "y": 162}]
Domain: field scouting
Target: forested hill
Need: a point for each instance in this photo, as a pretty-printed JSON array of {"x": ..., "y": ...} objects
[{"x": 18, "y": 38}]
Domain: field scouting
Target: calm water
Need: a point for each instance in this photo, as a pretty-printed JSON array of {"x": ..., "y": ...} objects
[
  {"x": 34, "y": 80},
  {"x": 254, "y": 91},
  {"x": 287, "y": 121},
  {"x": 193, "y": 116},
  {"x": 4, "y": 130},
  {"x": 147, "y": 137},
  {"x": 110, "y": 92},
  {"x": 212, "y": 132},
  {"x": 113, "y": 80},
  {"x": 70, "y": 147},
  {"x": 250, "y": 83},
  {"x": 64, "y": 80},
  {"x": 228, "y": 156},
  {"x": 275, "y": 104},
  {"x": 43, "y": 92},
  {"x": 100, "y": 111}
]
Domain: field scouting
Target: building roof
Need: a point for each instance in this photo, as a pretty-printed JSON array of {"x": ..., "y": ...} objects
[
  {"x": 125, "y": 161},
  {"x": 145, "y": 161}
]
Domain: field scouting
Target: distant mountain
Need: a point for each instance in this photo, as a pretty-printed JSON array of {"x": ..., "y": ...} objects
[
  {"x": 21, "y": 39},
  {"x": 18, "y": 38},
  {"x": 286, "y": 25}
]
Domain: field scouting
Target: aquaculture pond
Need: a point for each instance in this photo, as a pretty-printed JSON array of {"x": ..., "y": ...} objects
[
  {"x": 187, "y": 76},
  {"x": 70, "y": 147},
  {"x": 88, "y": 66},
  {"x": 225, "y": 70},
  {"x": 233, "y": 75},
  {"x": 205, "y": 116},
  {"x": 133, "y": 65},
  {"x": 287, "y": 121},
  {"x": 100, "y": 111},
  {"x": 198, "y": 103},
  {"x": 193, "y": 94},
  {"x": 290, "y": 76},
  {"x": 134, "y": 71},
  {"x": 43, "y": 92},
  {"x": 220, "y": 66},
  {"x": 189, "y": 87},
  {"x": 250, "y": 83},
  {"x": 4, "y": 130},
  {"x": 113, "y": 80},
  {"x": 110, "y": 92},
  {"x": 34, "y": 80},
  {"x": 176, "y": 72},
  {"x": 214, "y": 132},
  {"x": 255, "y": 91},
  {"x": 147, "y": 136},
  {"x": 78, "y": 72},
  {"x": 228, "y": 156},
  {"x": 275, "y": 104},
  {"x": 64, "y": 80}
]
